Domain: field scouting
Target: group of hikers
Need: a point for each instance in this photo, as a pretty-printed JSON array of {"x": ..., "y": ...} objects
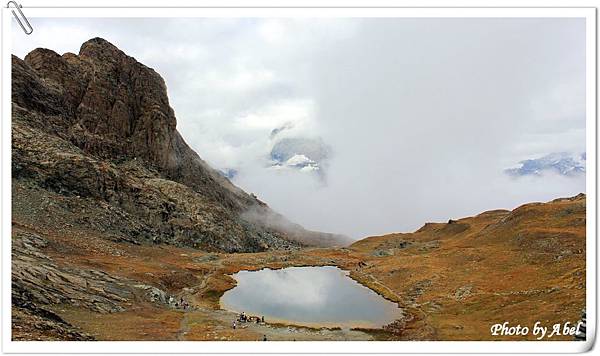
[
  {"x": 181, "y": 303},
  {"x": 243, "y": 318}
]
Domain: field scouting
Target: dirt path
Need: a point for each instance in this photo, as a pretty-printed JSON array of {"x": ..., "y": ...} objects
[
  {"x": 206, "y": 324},
  {"x": 183, "y": 327}
]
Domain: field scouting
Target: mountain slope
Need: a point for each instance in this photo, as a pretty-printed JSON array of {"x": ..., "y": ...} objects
[
  {"x": 457, "y": 279},
  {"x": 95, "y": 137}
]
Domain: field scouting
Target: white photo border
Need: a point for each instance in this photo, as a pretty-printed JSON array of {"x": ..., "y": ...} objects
[{"x": 9, "y": 346}]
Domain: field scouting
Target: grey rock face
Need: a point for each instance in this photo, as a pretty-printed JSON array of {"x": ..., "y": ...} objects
[
  {"x": 98, "y": 126},
  {"x": 46, "y": 283}
]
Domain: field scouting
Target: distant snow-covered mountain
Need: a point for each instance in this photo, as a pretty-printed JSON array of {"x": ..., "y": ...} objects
[
  {"x": 303, "y": 154},
  {"x": 563, "y": 163}
]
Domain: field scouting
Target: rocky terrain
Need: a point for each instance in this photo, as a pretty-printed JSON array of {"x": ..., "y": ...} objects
[
  {"x": 98, "y": 127},
  {"x": 453, "y": 280},
  {"x": 114, "y": 218}
]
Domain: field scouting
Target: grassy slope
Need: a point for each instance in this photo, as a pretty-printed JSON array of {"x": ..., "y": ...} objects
[
  {"x": 460, "y": 278},
  {"x": 454, "y": 280}
]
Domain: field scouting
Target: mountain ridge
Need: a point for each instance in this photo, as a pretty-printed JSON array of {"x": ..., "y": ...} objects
[
  {"x": 109, "y": 134},
  {"x": 116, "y": 222}
]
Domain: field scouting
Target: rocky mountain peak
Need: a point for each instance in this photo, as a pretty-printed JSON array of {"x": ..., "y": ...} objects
[
  {"x": 109, "y": 134},
  {"x": 99, "y": 49},
  {"x": 115, "y": 106}
]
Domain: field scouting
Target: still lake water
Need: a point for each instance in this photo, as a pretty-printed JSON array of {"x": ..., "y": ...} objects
[{"x": 312, "y": 296}]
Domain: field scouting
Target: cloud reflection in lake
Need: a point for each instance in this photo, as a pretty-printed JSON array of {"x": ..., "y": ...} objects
[{"x": 309, "y": 296}]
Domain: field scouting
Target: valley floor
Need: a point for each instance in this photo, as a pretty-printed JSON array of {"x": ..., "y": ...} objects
[
  {"x": 142, "y": 311},
  {"x": 454, "y": 280}
]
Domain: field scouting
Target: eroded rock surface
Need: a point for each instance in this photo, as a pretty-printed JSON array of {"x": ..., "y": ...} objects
[
  {"x": 96, "y": 156},
  {"x": 98, "y": 125}
]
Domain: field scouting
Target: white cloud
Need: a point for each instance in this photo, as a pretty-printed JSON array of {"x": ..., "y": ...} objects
[
  {"x": 422, "y": 115},
  {"x": 239, "y": 80},
  {"x": 272, "y": 31},
  {"x": 297, "y": 113}
]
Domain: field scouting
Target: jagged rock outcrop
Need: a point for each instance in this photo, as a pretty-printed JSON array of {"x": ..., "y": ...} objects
[
  {"x": 96, "y": 130},
  {"x": 37, "y": 280}
]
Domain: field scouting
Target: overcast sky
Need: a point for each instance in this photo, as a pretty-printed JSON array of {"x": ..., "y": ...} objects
[{"x": 422, "y": 115}]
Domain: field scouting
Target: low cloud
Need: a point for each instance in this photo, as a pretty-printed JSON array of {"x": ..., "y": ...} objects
[{"x": 422, "y": 115}]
